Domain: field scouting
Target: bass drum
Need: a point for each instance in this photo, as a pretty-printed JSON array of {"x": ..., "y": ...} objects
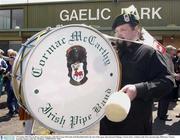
[{"x": 64, "y": 76}]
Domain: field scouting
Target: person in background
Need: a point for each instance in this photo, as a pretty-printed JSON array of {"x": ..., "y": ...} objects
[
  {"x": 11, "y": 99},
  {"x": 3, "y": 67},
  {"x": 163, "y": 103},
  {"x": 177, "y": 70},
  {"x": 144, "y": 77},
  {"x": 177, "y": 76}
]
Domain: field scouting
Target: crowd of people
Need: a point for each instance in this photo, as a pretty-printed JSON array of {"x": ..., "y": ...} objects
[
  {"x": 14, "y": 108},
  {"x": 172, "y": 57},
  {"x": 6, "y": 63}
]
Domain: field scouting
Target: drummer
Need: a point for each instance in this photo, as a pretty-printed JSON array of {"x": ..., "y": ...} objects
[{"x": 144, "y": 77}]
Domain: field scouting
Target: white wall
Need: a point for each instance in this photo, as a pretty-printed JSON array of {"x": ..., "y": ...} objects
[{"x": 3, "y": 2}]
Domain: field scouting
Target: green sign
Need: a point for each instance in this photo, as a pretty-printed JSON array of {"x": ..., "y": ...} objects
[{"x": 102, "y": 14}]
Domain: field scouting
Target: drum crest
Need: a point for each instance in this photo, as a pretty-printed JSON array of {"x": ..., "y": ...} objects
[{"x": 77, "y": 65}]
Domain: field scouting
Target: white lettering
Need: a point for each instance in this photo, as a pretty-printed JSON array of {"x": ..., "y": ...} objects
[
  {"x": 156, "y": 13},
  {"x": 103, "y": 15},
  {"x": 64, "y": 15},
  {"x": 83, "y": 14},
  {"x": 97, "y": 14},
  {"x": 145, "y": 12},
  {"x": 90, "y": 15},
  {"x": 73, "y": 15}
]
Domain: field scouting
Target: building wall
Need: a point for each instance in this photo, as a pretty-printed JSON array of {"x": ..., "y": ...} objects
[
  {"x": 153, "y": 13},
  {"x": 158, "y": 16},
  {"x": 171, "y": 40}
]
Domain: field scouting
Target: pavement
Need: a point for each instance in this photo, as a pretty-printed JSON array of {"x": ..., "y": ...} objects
[{"x": 13, "y": 126}]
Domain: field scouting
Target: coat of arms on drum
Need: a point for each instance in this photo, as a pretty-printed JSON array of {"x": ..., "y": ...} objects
[{"x": 77, "y": 65}]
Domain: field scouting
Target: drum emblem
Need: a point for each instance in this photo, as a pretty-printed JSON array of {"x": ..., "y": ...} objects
[
  {"x": 77, "y": 71},
  {"x": 77, "y": 65}
]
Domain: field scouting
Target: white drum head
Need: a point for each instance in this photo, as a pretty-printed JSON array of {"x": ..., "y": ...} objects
[{"x": 69, "y": 77}]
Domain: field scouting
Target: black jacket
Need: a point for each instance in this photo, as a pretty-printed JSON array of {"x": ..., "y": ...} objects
[{"x": 146, "y": 68}]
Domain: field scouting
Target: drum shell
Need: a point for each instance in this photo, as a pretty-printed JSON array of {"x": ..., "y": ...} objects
[{"x": 18, "y": 67}]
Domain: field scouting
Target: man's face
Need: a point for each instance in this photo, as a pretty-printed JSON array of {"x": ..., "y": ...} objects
[
  {"x": 125, "y": 31},
  {"x": 178, "y": 54},
  {"x": 173, "y": 53}
]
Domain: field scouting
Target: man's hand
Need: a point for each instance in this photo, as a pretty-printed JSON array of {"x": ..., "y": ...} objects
[
  {"x": 130, "y": 90},
  {"x": 177, "y": 76}
]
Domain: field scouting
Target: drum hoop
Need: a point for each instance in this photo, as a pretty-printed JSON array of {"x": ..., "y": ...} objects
[{"x": 17, "y": 66}]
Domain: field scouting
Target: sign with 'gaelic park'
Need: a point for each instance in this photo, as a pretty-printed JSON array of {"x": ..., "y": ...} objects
[{"x": 68, "y": 78}]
